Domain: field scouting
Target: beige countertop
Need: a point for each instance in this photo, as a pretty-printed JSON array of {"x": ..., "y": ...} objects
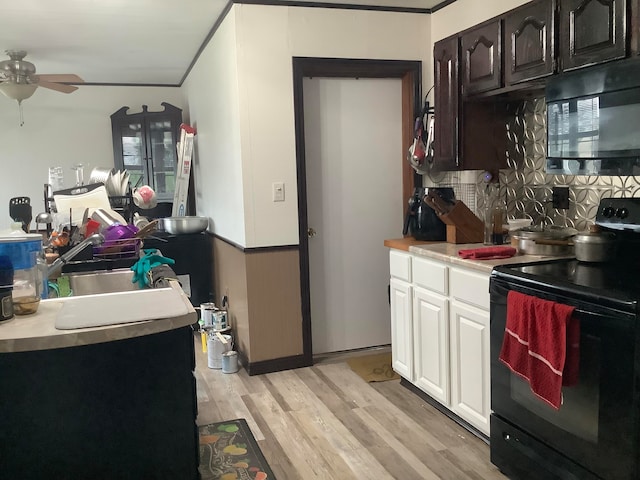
[
  {"x": 38, "y": 332},
  {"x": 448, "y": 252}
]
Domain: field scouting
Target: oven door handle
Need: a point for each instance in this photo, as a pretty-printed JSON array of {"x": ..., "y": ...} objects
[{"x": 499, "y": 292}]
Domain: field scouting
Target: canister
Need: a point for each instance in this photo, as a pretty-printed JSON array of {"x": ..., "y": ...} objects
[
  {"x": 220, "y": 319},
  {"x": 206, "y": 313},
  {"x": 230, "y": 362},
  {"x": 22, "y": 250},
  {"x": 215, "y": 350}
]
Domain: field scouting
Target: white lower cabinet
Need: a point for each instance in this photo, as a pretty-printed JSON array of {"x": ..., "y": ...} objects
[
  {"x": 470, "y": 381},
  {"x": 440, "y": 333},
  {"x": 401, "y": 328},
  {"x": 431, "y": 343}
]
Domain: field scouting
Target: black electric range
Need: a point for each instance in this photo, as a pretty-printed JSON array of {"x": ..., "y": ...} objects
[{"x": 595, "y": 434}]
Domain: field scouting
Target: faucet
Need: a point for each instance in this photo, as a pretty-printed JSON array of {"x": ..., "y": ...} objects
[{"x": 95, "y": 239}]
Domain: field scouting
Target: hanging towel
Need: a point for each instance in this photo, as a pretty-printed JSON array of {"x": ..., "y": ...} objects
[
  {"x": 541, "y": 344},
  {"x": 487, "y": 253}
]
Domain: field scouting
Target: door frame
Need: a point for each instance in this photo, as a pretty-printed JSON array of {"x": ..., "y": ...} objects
[{"x": 410, "y": 72}]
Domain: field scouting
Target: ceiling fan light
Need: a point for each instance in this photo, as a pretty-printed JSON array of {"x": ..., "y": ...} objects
[{"x": 18, "y": 91}]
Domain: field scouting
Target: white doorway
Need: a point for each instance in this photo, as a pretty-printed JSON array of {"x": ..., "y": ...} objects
[{"x": 353, "y": 141}]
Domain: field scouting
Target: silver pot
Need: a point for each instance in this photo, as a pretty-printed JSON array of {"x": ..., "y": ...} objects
[
  {"x": 545, "y": 241},
  {"x": 178, "y": 225},
  {"x": 595, "y": 246}
]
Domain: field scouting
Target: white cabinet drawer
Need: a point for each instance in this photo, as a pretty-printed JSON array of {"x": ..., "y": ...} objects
[
  {"x": 470, "y": 287},
  {"x": 400, "y": 265},
  {"x": 430, "y": 275}
]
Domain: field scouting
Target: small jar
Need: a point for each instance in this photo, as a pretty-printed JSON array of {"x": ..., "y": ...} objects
[{"x": 22, "y": 250}]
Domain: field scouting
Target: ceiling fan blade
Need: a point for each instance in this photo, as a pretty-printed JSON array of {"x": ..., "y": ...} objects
[
  {"x": 58, "y": 87},
  {"x": 61, "y": 78}
]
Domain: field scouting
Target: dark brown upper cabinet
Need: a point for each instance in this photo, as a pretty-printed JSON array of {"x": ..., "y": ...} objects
[
  {"x": 468, "y": 135},
  {"x": 447, "y": 101},
  {"x": 529, "y": 42},
  {"x": 591, "y": 32},
  {"x": 481, "y": 58}
]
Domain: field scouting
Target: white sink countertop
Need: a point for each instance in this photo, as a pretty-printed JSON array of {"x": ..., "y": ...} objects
[
  {"x": 448, "y": 252},
  {"x": 38, "y": 331}
]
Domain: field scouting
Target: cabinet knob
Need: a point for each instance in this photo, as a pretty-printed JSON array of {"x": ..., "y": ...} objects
[{"x": 311, "y": 232}]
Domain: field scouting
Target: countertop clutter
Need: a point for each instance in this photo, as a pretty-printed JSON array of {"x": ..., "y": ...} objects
[{"x": 448, "y": 252}]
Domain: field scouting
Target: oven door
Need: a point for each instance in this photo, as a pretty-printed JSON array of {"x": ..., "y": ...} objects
[{"x": 596, "y": 424}]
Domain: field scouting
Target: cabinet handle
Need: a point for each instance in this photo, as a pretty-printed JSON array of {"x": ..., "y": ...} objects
[{"x": 311, "y": 232}]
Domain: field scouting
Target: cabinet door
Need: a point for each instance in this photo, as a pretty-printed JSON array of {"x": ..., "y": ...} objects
[
  {"x": 591, "y": 31},
  {"x": 447, "y": 113},
  {"x": 470, "y": 374},
  {"x": 481, "y": 59},
  {"x": 401, "y": 328},
  {"x": 431, "y": 344},
  {"x": 162, "y": 155},
  {"x": 529, "y": 42},
  {"x": 144, "y": 143}
]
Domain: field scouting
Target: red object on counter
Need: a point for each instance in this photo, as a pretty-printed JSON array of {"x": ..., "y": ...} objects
[
  {"x": 91, "y": 228},
  {"x": 487, "y": 253},
  {"x": 541, "y": 344}
]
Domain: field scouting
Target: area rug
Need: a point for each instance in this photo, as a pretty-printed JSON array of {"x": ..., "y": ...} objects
[
  {"x": 228, "y": 451},
  {"x": 373, "y": 368}
]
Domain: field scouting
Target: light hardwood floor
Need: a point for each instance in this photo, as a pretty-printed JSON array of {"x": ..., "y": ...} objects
[{"x": 325, "y": 422}]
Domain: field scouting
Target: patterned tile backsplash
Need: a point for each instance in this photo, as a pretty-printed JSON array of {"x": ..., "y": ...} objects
[{"x": 525, "y": 187}]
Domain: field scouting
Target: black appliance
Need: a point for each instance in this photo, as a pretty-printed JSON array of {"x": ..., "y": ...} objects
[
  {"x": 194, "y": 261},
  {"x": 421, "y": 220},
  {"x": 592, "y": 120},
  {"x": 596, "y": 432}
]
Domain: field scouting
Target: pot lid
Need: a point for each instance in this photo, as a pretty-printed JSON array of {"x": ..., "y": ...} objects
[
  {"x": 546, "y": 231},
  {"x": 594, "y": 237}
]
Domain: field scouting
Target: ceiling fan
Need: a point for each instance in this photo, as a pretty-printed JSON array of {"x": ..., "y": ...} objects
[{"x": 18, "y": 79}]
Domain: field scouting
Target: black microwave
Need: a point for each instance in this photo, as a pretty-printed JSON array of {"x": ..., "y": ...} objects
[{"x": 593, "y": 120}]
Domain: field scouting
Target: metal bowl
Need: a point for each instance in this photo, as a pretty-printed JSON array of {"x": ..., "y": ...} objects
[{"x": 178, "y": 225}]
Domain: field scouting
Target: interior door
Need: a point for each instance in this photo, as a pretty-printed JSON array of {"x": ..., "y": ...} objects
[{"x": 353, "y": 139}]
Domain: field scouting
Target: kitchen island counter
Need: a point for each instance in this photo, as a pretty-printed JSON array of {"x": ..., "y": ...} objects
[
  {"x": 104, "y": 402},
  {"x": 38, "y": 332}
]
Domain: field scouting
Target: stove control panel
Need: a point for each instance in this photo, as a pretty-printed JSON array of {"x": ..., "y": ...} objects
[{"x": 619, "y": 214}]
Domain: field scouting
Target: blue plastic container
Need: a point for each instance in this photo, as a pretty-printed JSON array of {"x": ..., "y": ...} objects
[{"x": 22, "y": 251}]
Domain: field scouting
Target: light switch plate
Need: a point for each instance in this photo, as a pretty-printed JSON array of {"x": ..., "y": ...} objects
[{"x": 278, "y": 191}]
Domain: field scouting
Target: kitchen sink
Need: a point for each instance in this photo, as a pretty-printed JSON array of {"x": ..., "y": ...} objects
[{"x": 110, "y": 281}]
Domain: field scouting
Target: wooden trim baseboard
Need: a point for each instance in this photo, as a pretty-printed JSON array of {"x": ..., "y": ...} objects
[
  {"x": 341, "y": 6},
  {"x": 276, "y": 364},
  {"x": 250, "y": 250}
]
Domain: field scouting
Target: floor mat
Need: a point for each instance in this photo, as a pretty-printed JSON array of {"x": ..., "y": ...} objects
[
  {"x": 373, "y": 368},
  {"x": 229, "y": 451}
]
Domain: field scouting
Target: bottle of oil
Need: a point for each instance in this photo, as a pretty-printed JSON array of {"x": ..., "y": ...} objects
[{"x": 498, "y": 219}]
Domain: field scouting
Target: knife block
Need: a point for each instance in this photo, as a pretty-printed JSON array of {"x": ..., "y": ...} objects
[{"x": 463, "y": 226}]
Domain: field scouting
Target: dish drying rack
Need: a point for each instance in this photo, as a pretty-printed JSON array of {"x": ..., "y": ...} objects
[
  {"x": 118, "y": 249},
  {"x": 123, "y": 204}
]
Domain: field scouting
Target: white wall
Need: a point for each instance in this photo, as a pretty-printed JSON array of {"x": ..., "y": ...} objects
[
  {"x": 268, "y": 38},
  {"x": 63, "y": 130},
  {"x": 212, "y": 92}
]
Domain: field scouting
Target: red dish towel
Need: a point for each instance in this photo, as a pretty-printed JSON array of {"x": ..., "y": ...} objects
[
  {"x": 488, "y": 253},
  {"x": 542, "y": 344}
]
